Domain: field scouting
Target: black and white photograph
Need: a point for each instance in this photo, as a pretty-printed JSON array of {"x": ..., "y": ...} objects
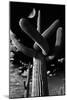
[{"x": 36, "y": 50}]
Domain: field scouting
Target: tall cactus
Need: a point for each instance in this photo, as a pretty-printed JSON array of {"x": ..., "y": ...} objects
[
  {"x": 39, "y": 78},
  {"x": 39, "y": 52}
]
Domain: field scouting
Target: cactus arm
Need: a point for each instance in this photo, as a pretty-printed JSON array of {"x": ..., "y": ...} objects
[
  {"x": 27, "y": 51},
  {"x": 33, "y": 34},
  {"x": 59, "y": 37},
  {"x": 39, "y": 22},
  {"x": 58, "y": 44},
  {"x": 49, "y": 31},
  {"x": 32, "y": 14},
  {"x": 35, "y": 46}
]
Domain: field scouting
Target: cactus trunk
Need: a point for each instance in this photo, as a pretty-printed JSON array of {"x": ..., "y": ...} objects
[{"x": 39, "y": 77}]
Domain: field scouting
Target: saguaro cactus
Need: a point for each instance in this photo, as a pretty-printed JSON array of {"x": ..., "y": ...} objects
[{"x": 38, "y": 53}]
